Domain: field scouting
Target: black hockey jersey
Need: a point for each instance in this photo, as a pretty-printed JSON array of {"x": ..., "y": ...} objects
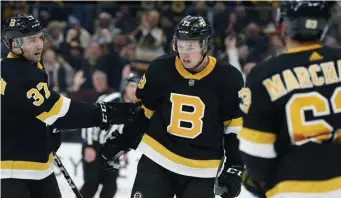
[
  {"x": 27, "y": 107},
  {"x": 291, "y": 138},
  {"x": 188, "y": 113}
]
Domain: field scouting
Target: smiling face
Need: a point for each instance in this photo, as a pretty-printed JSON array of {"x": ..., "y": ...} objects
[
  {"x": 32, "y": 47},
  {"x": 190, "y": 52}
]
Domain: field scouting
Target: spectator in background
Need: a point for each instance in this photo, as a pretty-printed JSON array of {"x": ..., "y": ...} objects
[
  {"x": 149, "y": 37},
  {"x": 72, "y": 51},
  {"x": 56, "y": 30},
  {"x": 242, "y": 18},
  {"x": 82, "y": 35},
  {"x": 84, "y": 12},
  {"x": 219, "y": 20},
  {"x": 125, "y": 21},
  {"x": 121, "y": 43},
  {"x": 100, "y": 87},
  {"x": 256, "y": 42},
  {"x": 112, "y": 63},
  {"x": 172, "y": 13},
  {"x": 59, "y": 72},
  {"x": 276, "y": 45},
  {"x": 199, "y": 9},
  {"x": 91, "y": 62},
  {"x": 104, "y": 22},
  {"x": 233, "y": 55},
  {"x": 13, "y": 7}
]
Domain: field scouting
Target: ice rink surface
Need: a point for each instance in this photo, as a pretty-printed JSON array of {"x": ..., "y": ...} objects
[{"x": 70, "y": 155}]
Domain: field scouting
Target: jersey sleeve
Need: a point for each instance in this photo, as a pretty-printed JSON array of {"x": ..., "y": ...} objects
[
  {"x": 36, "y": 99},
  {"x": 147, "y": 89},
  {"x": 258, "y": 135},
  {"x": 231, "y": 113}
]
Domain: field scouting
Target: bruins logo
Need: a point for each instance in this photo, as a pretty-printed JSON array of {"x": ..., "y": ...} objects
[{"x": 137, "y": 194}]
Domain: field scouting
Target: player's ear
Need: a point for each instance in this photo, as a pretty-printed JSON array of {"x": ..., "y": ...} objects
[
  {"x": 14, "y": 44},
  {"x": 15, "y": 47}
]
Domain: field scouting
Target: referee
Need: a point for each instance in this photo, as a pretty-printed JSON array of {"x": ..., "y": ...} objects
[{"x": 94, "y": 138}]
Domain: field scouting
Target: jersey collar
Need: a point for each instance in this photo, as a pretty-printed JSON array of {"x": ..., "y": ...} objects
[
  {"x": 12, "y": 55},
  {"x": 305, "y": 47},
  {"x": 197, "y": 76}
]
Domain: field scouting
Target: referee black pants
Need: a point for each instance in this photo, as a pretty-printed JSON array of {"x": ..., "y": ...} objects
[{"x": 94, "y": 175}]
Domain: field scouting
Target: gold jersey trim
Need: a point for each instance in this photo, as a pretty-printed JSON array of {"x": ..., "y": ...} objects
[
  {"x": 197, "y": 76},
  {"x": 305, "y": 47},
  {"x": 314, "y": 188},
  {"x": 176, "y": 163},
  {"x": 26, "y": 169},
  {"x": 177, "y": 158}
]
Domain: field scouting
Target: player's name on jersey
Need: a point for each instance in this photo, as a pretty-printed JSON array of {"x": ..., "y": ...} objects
[{"x": 301, "y": 77}]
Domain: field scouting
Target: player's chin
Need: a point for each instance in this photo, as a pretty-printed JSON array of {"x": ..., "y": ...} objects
[
  {"x": 36, "y": 58},
  {"x": 188, "y": 66}
]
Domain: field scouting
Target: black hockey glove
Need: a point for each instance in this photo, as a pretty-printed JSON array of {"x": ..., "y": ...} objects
[
  {"x": 117, "y": 143},
  {"x": 118, "y": 113},
  {"x": 230, "y": 179},
  {"x": 253, "y": 186},
  {"x": 111, "y": 151}
]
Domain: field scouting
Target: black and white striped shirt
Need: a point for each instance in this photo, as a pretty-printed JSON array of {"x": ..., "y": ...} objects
[{"x": 94, "y": 136}]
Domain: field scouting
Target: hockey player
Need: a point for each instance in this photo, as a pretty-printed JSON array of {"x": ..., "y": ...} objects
[
  {"x": 28, "y": 107},
  {"x": 188, "y": 97},
  {"x": 291, "y": 138},
  {"x": 94, "y": 137}
]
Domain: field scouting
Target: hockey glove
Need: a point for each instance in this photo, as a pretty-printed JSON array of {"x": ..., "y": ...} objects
[
  {"x": 253, "y": 186},
  {"x": 230, "y": 178},
  {"x": 111, "y": 151},
  {"x": 117, "y": 143},
  {"x": 118, "y": 113}
]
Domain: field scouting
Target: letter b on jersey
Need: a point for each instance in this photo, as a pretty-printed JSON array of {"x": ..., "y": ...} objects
[{"x": 186, "y": 123}]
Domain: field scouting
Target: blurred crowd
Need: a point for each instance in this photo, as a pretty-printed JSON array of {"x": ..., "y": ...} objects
[{"x": 93, "y": 46}]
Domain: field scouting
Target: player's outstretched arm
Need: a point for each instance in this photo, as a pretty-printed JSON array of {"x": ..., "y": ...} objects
[{"x": 36, "y": 99}]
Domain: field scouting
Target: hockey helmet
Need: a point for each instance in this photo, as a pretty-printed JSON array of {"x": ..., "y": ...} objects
[
  {"x": 304, "y": 20},
  {"x": 194, "y": 28},
  {"x": 132, "y": 78},
  {"x": 19, "y": 26}
]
